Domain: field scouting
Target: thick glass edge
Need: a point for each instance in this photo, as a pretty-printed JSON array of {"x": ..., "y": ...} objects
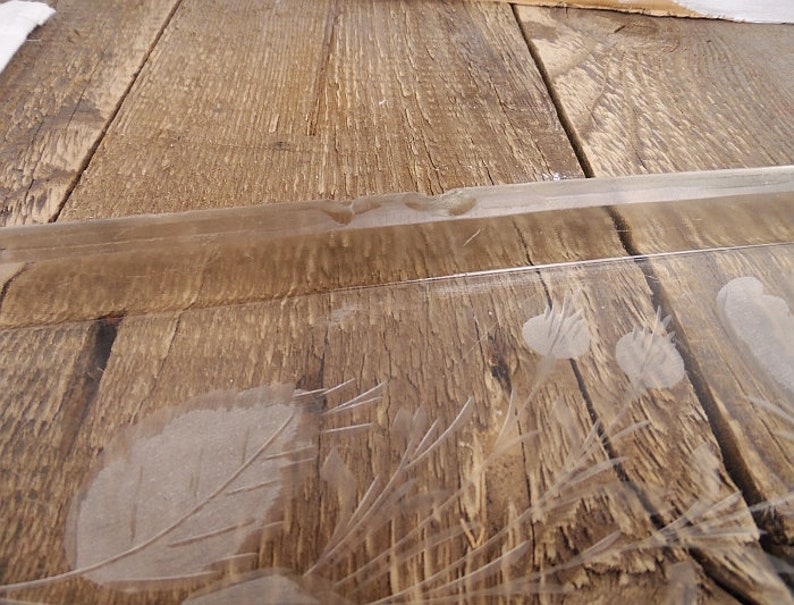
[{"x": 32, "y": 242}]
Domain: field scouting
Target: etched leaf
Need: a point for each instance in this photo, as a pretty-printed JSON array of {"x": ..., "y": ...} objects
[
  {"x": 649, "y": 357},
  {"x": 763, "y": 322},
  {"x": 184, "y": 489},
  {"x": 559, "y": 332},
  {"x": 277, "y": 588},
  {"x": 389, "y": 499}
]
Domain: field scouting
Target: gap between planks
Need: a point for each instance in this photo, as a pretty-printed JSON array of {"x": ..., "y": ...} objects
[
  {"x": 562, "y": 115},
  {"x": 112, "y": 118},
  {"x": 734, "y": 464}
]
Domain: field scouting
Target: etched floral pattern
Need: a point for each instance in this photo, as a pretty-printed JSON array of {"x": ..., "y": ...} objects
[
  {"x": 222, "y": 509},
  {"x": 648, "y": 356},
  {"x": 559, "y": 332}
]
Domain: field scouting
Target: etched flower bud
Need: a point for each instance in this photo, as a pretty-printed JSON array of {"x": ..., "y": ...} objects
[
  {"x": 559, "y": 332},
  {"x": 649, "y": 357}
]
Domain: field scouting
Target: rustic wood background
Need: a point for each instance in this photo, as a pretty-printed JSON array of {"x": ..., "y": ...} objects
[{"x": 117, "y": 108}]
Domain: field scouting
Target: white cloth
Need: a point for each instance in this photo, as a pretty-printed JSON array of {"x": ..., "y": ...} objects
[
  {"x": 17, "y": 20},
  {"x": 754, "y": 11}
]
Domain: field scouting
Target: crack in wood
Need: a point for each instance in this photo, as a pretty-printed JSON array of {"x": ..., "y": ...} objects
[
  {"x": 735, "y": 464},
  {"x": 87, "y": 373},
  {"x": 78, "y": 175},
  {"x": 329, "y": 40},
  {"x": 562, "y": 115}
]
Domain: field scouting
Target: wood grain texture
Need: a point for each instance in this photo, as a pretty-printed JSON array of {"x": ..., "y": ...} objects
[
  {"x": 59, "y": 93},
  {"x": 761, "y": 454},
  {"x": 169, "y": 275},
  {"x": 81, "y": 271},
  {"x": 658, "y": 8},
  {"x": 371, "y": 335},
  {"x": 643, "y": 94},
  {"x": 437, "y": 343},
  {"x": 611, "y": 313},
  {"x": 336, "y": 100},
  {"x": 44, "y": 401},
  {"x": 688, "y": 225},
  {"x": 650, "y": 95}
]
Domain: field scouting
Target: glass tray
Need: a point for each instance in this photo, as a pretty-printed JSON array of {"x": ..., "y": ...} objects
[{"x": 571, "y": 391}]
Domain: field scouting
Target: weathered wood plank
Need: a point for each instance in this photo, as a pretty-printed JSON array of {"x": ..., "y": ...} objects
[
  {"x": 744, "y": 355},
  {"x": 475, "y": 327},
  {"x": 44, "y": 400},
  {"x": 756, "y": 12},
  {"x": 648, "y": 95},
  {"x": 151, "y": 276},
  {"x": 59, "y": 93},
  {"x": 335, "y": 100},
  {"x": 616, "y": 302},
  {"x": 658, "y": 8},
  {"x": 643, "y": 94}
]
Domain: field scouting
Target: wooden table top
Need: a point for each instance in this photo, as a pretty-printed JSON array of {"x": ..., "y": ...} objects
[{"x": 419, "y": 380}]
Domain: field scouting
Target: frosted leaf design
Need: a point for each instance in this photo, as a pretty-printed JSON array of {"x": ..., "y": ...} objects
[
  {"x": 763, "y": 322},
  {"x": 559, "y": 332},
  {"x": 185, "y": 488},
  {"x": 649, "y": 357},
  {"x": 338, "y": 475}
]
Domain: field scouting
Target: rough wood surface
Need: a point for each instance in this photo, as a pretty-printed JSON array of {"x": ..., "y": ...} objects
[
  {"x": 677, "y": 411},
  {"x": 336, "y": 100},
  {"x": 649, "y": 95},
  {"x": 59, "y": 93},
  {"x": 435, "y": 343},
  {"x": 148, "y": 276},
  {"x": 737, "y": 381},
  {"x": 643, "y": 94},
  {"x": 45, "y": 400},
  {"x": 658, "y": 8},
  {"x": 82, "y": 271},
  {"x": 371, "y": 335}
]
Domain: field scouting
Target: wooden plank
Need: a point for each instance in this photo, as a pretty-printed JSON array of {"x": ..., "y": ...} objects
[
  {"x": 748, "y": 394},
  {"x": 616, "y": 300},
  {"x": 475, "y": 322},
  {"x": 665, "y": 95},
  {"x": 335, "y": 100},
  {"x": 632, "y": 89},
  {"x": 657, "y": 8},
  {"x": 59, "y": 93},
  {"x": 151, "y": 276},
  {"x": 733, "y": 384},
  {"x": 757, "y": 12},
  {"x": 47, "y": 391}
]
